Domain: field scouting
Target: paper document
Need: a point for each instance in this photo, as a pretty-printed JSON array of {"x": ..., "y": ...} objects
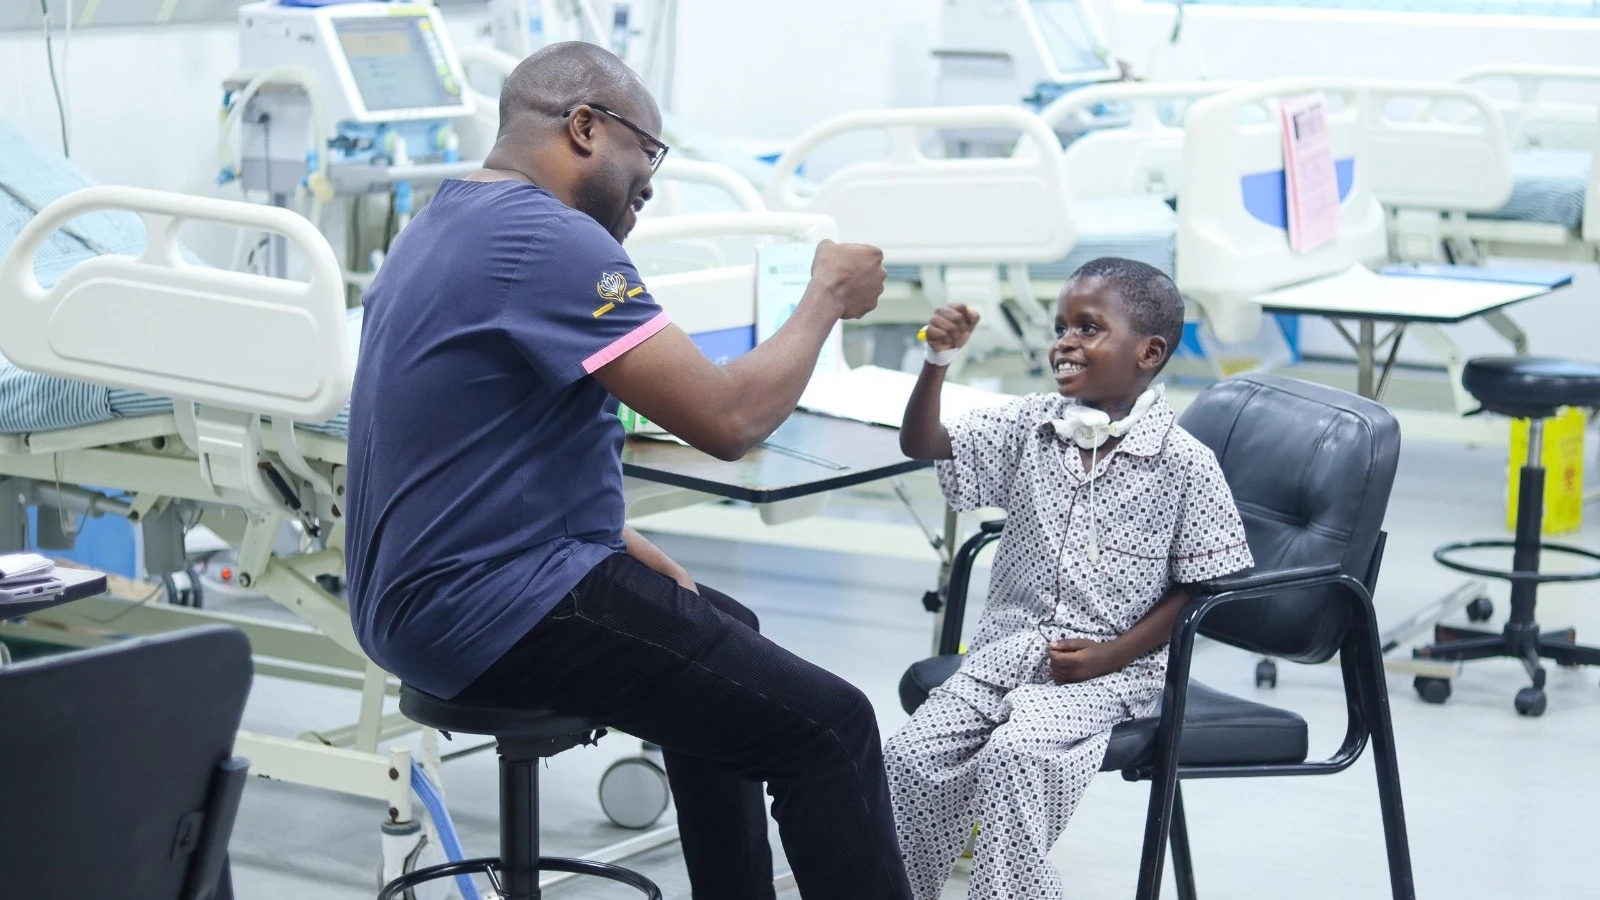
[
  {"x": 24, "y": 566},
  {"x": 27, "y": 576},
  {"x": 1359, "y": 293},
  {"x": 878, "y": 396},
  {"x": 783, "y": 271},
  {"x": 1310, "y": 183}
]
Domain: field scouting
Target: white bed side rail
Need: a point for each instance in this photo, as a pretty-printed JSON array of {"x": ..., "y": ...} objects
[
  {"x": 159, "y": 325},
  {"x": 1538, "y": 121},
  {"x": 1143, "y": 157},
  {"x": 240, "y": 346},
  {"x": 1534, "y": 118},
  {"x": 478, "y": 131},
  {"x": 930, "y": 211},
  {"x": 721, "y": 297},
  {"x": 1232, "y": 243},
  {"x": 711, "y": 174},
  {"x": 1430, "y": 164}
]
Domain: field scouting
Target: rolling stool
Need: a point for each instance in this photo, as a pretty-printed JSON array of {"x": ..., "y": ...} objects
[
  {"x": 524, "y": 737},
  {"x": 1533, "y": 389}
]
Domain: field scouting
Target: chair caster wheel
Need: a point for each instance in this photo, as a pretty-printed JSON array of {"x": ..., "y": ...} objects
[
  {"x": 1530, "y": 702},
  {"x": 1480, "y": 610},
  {"x": 634, "y": 793},
  {"x": 1432, "y": 690},
  {"x": 1266, "y": 673}
]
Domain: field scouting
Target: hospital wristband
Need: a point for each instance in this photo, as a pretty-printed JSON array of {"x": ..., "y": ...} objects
[{"x": 942, "y": 357}]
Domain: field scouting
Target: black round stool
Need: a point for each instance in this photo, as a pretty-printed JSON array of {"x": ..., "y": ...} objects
[
  {"x": 524, "y": 737},
  {"x": 1532, "y": 389}
]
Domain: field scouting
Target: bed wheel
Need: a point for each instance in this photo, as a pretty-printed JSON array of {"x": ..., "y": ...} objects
[{"x": 634, "y": 793}]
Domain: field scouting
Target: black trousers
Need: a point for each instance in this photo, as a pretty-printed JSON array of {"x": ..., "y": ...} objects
[{"x": 730, "y": 709}]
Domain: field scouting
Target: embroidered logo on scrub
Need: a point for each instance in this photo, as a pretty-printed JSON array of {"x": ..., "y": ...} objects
[{"x": 613, "y": 288}]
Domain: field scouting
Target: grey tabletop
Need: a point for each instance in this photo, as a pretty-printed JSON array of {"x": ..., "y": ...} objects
[
  {"x": 808, "y": 454},
  {"x": 80, "y": 583}
]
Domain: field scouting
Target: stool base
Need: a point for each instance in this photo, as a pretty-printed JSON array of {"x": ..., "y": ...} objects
[
  {"x": 1523, "y": 642},
  {"x": 491, "y": 867}
]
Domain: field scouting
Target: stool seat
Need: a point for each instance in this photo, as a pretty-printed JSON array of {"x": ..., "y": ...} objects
[
  {"x": 503, "y": 723},
  {"x": 1526, "y": 387}
]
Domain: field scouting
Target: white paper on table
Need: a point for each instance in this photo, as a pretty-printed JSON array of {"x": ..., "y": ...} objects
[
  {"x": 878, "y": 396},
  {"x": 783, "y": 271},
  {"x": 1311, "y": 183}
]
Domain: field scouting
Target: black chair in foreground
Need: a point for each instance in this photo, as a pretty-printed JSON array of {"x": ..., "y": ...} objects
[
  {"x": 118, "y": 772},
  {"x": 1311, "y": 469}
]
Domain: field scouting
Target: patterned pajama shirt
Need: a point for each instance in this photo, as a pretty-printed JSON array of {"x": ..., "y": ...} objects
[{"x": 1000, "y": 743}]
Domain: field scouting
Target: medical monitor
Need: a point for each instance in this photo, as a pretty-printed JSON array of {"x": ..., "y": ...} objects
[
  {"x": 396, "y": 62},
  {"x": 371, "y": 63},
  {"x": 1070, "y": 40}
]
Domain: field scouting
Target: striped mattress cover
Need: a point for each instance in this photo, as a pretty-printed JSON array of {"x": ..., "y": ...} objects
[{"x": 1550, "y": 186}]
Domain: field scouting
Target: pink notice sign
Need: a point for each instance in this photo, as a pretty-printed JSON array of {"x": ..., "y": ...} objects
[{"x": 1311, "y": 186}]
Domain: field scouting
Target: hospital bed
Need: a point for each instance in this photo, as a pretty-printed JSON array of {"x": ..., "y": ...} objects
[
  {"x": 1232, "y": 246},
  {"x": 1142, "y": 157},
  {"x": 1553, "y": 208},
  {"x": 965, "y": 230},
  {"x": 138, "y": 383}
]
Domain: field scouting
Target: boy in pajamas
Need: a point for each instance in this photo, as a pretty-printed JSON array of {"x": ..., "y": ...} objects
[{"x": 1113, "y": 513}]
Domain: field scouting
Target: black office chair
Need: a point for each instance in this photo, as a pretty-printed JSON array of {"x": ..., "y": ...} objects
[
  {"x": 116, "y": 768},
  {"x": 523, "y": 737},
  {"x": 1311, "y": 469},
  {"x": 1533, "y": 389}
]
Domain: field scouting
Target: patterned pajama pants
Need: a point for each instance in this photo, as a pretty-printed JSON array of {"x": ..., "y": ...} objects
[{"x": 1016, "y": 761}]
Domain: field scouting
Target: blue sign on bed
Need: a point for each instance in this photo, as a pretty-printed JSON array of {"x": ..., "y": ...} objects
[{"x": 1266, "y": 199}]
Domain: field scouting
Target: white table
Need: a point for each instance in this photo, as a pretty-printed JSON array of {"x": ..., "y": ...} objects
[{"x": 1403, "y": 301}]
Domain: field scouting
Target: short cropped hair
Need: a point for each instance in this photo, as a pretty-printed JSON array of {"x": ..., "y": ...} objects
[{"x": 1151, "y": 300}]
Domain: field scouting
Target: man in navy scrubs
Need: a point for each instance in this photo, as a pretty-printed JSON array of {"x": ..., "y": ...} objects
[{"x": 488, "y": 560}]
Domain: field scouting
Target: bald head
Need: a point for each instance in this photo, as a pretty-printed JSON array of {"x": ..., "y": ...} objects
[
  {"x": 577, "y": 122},
  {"x": 563, "y": 75}
]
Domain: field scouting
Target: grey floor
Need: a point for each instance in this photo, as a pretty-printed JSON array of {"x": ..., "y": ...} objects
[{"x": 1495, "y": 803}]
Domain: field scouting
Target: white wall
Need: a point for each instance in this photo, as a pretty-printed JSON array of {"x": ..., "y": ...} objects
[{"x": 1239, "y": 42}]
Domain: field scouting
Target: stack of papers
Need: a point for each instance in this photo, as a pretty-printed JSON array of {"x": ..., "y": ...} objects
[
  {"x": 878, "y": 396},
  {"x": 27, "y": 576}
]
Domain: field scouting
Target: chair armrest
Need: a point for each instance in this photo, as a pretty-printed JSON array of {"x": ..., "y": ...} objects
[
  {"x": 1256, "y": 583},
  {"x": 955, "y": 593}
]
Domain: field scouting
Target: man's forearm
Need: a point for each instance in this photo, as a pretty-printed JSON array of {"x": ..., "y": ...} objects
[{"x": 765, "y": 384}]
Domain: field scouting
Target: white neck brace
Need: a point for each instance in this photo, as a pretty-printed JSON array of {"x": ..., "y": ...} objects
[{"x": 1091, "y": 428}]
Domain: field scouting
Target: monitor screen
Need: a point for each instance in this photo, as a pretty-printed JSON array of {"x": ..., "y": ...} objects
[
  {"x": 1067, "y": 35},
  {"x": 397, "y": 62}
]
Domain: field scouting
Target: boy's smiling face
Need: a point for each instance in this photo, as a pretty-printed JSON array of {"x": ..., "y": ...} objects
[{"x": 1099, "y": 357}]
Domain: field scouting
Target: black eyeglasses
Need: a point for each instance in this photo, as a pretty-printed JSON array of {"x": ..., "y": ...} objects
[{"x": 656, "y": 155}]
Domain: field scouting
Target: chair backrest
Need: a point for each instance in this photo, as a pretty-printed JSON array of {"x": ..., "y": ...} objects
[
  {"x": 1311, "y": 468},
  {"x": 110, "y": 760}
]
